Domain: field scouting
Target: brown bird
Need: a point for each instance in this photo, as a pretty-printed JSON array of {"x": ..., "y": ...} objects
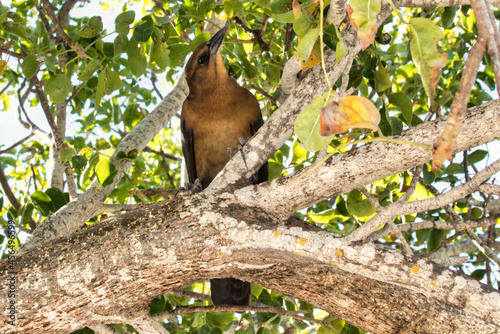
[{"x": 216, "y": 113}]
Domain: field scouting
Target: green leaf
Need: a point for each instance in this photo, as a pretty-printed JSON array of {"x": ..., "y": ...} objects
[
  {"x": 219, "y": 319},
  {"x": 58, "y": 88},
  {"x": 476, "y": 156},
  {"x": 92, "y": 66},
  {"x": 43, "y": 203},
  {"x": 125, "y": 17},
  {"x": 382, "y": 78},
  {"x": 403, "y": 102},
  {"x": 30, "y": 66},
  {"x": 102, "y": 144},
  {"x": 88, "y": 32},
  {"x": 263, "y": 3},
  {"x": 178, "y": 53},
  {"x": 160, "y": 55},
  {"x": 287, "y": 17},
  {"x": 303, "y": 22},
  {"x": 143, "y": 29},
  {"x": 307, "y": 125},
  {"x": 96, "y": 23},
  {"x": 101, "y": 83},
  {"x": 119, "y": 45},
  {"x": 425, "y": 54},
  {"x": 18, "y": 30},
  {"x": 306, "y": 44},
  {"x": 67, "y": 153},
  {"x": 27, "y": 213},
  {"x": 57, "y": 197},
  {"x": 112, "y": 82},
  {"x": 78, "y": 162},
  {"x": 448, "y": 17},
  {"x": 50, "y": 62},
  {"x": 137, "y": 62},
  {"x": 435, "y": 238},
  {"x": 105, "y": 171}
]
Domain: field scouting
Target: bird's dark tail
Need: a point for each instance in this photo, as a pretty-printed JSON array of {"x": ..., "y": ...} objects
[{"x": 230, "y": 291}]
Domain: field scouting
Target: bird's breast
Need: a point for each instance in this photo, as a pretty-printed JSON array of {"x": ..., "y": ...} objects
[{"x": 217, "y": 126}]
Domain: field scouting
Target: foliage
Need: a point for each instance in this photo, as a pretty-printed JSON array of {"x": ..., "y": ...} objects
[{"x": 112, "y": 89}]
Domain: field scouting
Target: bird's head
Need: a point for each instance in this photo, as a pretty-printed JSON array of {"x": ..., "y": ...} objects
[{"x": 205, "y": 67}]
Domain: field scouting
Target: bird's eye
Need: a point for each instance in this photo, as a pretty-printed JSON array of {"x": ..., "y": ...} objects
[{"x": 201, "y": 60}]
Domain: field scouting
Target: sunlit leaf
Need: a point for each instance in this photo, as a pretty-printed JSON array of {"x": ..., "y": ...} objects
[
  {"x": 105, "y": 171},
  {"x": 349, "y": 112},
  {"x": 307, "y": 125}
]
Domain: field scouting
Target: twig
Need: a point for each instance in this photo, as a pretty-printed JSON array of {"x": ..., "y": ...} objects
[
  {"x": 8, "y": 191},
  {"x": 439, "y": 225},
  {"x": 60, "y": 31},
  {"x": 7, "y": 85},
  {"x": 153, "y": 82},
  {"x": 46, "y": 25},
  {"x": 63, "y": 14},
  {"x": 483, "y": 248},
  {"x": 400, "y": 208},
  {"x": 444, "y": 145},
  {"x": 488, "y": 30},
  {"x": 34, "y": 177},
  {"x": 16, "y": 144},
  {"x": 256, "y": 34},
  {"x": 56, "y": 135}
]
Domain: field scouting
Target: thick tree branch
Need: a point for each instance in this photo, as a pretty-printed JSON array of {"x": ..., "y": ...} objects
[
  {"x": 71, "y": 217},
  {"x": 111, "y": 270}
]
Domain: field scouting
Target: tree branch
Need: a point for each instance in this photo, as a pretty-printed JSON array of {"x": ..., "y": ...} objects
[
  {"x": 245, "y": 243},
  {"x": 89, "y": 204}
]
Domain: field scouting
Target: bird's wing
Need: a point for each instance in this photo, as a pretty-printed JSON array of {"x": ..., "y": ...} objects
[
  {"x": 188, "y": 151},
  {"x": 262, "y": 173}
]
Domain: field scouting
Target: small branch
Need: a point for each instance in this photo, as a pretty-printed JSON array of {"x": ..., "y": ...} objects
[
  {"x": 488, "y": 30},
  {"x": 452, "y": 261},
  {"x": 46, "y": 25},
  {"x": 60, "y": 31},
  {"x": 405, "y": 208},
  {"x": 445, "y": 143},
  {"x": 7, "y": 85},
  {"x": 439, "y": 225},
  {"x": 16, "y": 144},
  {"x": 74, "y": 94},
  {"x": 483, "y": 248},
  {"x": 491, "y": 189},
  {"x": 68, "y": 170},
  {"x": 4, "y": 49},
  {"x": 8, "y": 191},
  {"x": 287, "y": 45},
  {"x": 153, "y": 82},
  {"x": 256, "y": 34},
  {"x": 63, "y": 14}
]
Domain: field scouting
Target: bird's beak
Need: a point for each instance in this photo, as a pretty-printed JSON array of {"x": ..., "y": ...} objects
[{"x": 215, "y": 42}]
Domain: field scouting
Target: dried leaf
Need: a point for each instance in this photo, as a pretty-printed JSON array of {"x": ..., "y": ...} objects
[
  {"x": 349, "y": 112},
  {"x": 363, "y": 15}
]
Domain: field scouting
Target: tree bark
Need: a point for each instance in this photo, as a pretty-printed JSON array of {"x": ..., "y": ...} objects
[{"x": 109, "y": 273}]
